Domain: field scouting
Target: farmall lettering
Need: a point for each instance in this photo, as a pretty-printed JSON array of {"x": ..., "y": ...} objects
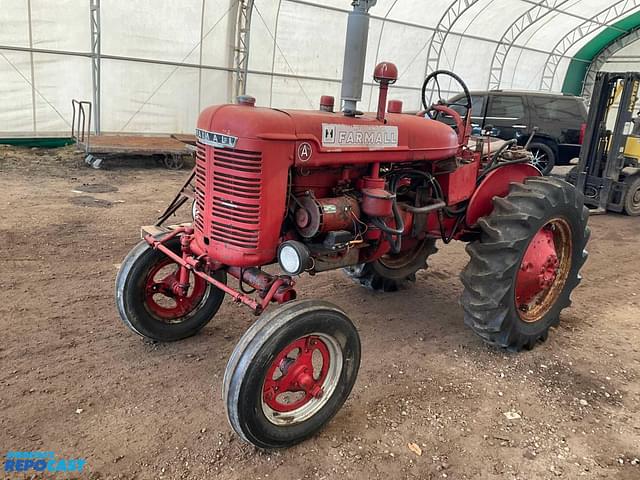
[
  {"x": 214, "y": 139},
  {"x": 372, "y": 137}
]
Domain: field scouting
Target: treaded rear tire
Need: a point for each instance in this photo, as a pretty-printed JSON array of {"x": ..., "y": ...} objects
[
  {"x": 379, "y": 277},
  {"x": 489, "y": 279}
]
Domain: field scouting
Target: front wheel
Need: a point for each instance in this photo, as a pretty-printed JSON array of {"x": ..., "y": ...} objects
[
  {"x": 526, "y": 263},
  {"x": 290, "y": 373},
  {"x": 147, "y": 303}
]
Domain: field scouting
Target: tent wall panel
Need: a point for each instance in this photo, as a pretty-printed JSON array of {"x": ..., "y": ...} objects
[
  {"x": 148, "y": 98},
  {"x": 545, "y": 34},
  {"x": 264, "y": 28},
  {"x": 471, "y": 59},
  {"x": 145, "y": 29},
  {"x": 305, "y": 44},
  {"x": 491, "y": 20},
  {"x": 215, "y": 89},
  {"x": 14, "y": 23},
  {"x": 524, "y": 69},
  {"x": 16, "y": 109},
  {"x": 58, "y": 79},
  {"x": 218, "y": 30},
  {"x": 64, "y": 26}
]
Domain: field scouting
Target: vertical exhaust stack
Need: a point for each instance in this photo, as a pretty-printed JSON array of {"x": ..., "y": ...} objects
[{"x": 355, "y": 55}]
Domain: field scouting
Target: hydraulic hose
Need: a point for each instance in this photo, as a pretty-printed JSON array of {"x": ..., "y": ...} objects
[{"x": 394, "y": 234}]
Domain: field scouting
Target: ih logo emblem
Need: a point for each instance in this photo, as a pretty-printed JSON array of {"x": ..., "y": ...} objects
[
  {"x": 304, "y": 151},
  {"x": 329, "y": 135}
]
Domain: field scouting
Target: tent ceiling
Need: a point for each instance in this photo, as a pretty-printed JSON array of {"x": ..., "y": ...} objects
[{"x": 161, "y": 61}]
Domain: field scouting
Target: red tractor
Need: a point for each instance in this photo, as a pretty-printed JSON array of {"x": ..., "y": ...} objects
[{"x": 369, "y": 193}]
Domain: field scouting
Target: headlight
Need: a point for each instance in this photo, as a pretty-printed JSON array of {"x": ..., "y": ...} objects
[{"x": 293, "y": 257}]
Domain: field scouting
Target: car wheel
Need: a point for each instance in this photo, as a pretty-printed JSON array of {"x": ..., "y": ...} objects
[{"x": 544, "y": 157}]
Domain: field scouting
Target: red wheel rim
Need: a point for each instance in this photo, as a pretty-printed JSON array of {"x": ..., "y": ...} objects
[
  {"x": 160, "y": 296},
  {"x": 295, "y": 371},
  {"x": 544, "y": 270}
]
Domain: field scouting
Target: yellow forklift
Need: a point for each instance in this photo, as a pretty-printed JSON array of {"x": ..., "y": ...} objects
[{"x": 608, "y": 172}]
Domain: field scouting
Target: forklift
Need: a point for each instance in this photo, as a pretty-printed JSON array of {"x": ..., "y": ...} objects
[{"x": 608, "y": 171}]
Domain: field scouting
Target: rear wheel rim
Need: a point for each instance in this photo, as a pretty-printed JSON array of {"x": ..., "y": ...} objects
[
  {"x": 301, "y": 379},
  {"x": 544, "y": 270},
  {"x": 163, "y": 303}
]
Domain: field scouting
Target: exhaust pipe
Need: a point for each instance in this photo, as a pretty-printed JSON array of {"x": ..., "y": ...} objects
[{"x": 355, "y": 55}]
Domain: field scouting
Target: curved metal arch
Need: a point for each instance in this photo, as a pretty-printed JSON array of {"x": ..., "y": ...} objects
[
  {"x": 442, "y": 30},
  {"x": 517, "y": 28},
  {"x": 609, "y": 14},
  {"x": 603, "y": 56}
]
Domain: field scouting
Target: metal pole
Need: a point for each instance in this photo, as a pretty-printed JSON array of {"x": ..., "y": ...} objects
[
  {"x": 245, "y": 9},
  {"x": 94, "y": 6},
  {"x": 355, "y": 55}
]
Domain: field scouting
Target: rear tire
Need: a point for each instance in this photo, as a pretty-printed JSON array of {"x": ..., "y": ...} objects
[
  {"x": 491, "y": 302},
  {"x": 157, "y": 315},
  {"x": 544, "y": 157},
  {"x": 392, "y": 272},
  {"x": 274, "y": 396}
]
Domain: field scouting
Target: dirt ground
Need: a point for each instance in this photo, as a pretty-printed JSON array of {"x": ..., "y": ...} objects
[{"x": 75, "y": 381}]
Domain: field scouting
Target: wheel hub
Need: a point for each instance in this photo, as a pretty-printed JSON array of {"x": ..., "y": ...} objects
[
  {"x": 543, "y": 270},
  {"x": 299, "y": 375},
  {"x": 538, "y": 269},
  {"x": 166, "y": 298}
]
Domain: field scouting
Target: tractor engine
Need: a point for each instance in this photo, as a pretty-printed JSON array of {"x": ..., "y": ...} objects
[{"x": 326, "y": 189}]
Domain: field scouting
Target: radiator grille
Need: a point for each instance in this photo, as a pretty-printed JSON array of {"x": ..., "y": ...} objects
[
  {"x": 229, "y": 191},
  {"x": 201, "y": 186}
]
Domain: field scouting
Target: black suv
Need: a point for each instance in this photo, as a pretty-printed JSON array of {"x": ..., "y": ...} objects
[{"x": 561, "y": 121}]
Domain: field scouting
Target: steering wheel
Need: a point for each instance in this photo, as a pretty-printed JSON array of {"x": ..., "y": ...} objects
[{"x": 430, "y": 105}]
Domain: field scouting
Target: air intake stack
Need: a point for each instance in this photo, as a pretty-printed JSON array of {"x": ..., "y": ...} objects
[{"x": 355, "y": 55}]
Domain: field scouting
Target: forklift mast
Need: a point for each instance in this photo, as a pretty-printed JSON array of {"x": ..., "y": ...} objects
[{"x": 607, "y": 153}]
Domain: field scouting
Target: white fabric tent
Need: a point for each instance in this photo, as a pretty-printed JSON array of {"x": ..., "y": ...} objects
[{"x": 161, "y": 61}]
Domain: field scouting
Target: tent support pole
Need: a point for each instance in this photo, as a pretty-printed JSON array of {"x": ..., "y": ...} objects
[
  {"x": 94, "y": 7},
  {"x": 241, "y": 59}
]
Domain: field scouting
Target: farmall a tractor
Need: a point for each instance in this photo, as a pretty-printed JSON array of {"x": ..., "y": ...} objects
[{"x": 371, "y": 194}]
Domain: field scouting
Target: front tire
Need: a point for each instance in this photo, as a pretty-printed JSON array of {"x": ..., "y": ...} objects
[
  {"x": 148, "y": 307},
  {"x": 290, "y": 373},
  {"x": 526, "y": 263}
]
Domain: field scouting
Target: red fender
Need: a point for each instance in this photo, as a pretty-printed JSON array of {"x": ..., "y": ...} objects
[{"x": 496, "y": 184}]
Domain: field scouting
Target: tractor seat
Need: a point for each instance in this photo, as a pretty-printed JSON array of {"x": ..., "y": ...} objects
[{"x": 495, "y": 144}]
